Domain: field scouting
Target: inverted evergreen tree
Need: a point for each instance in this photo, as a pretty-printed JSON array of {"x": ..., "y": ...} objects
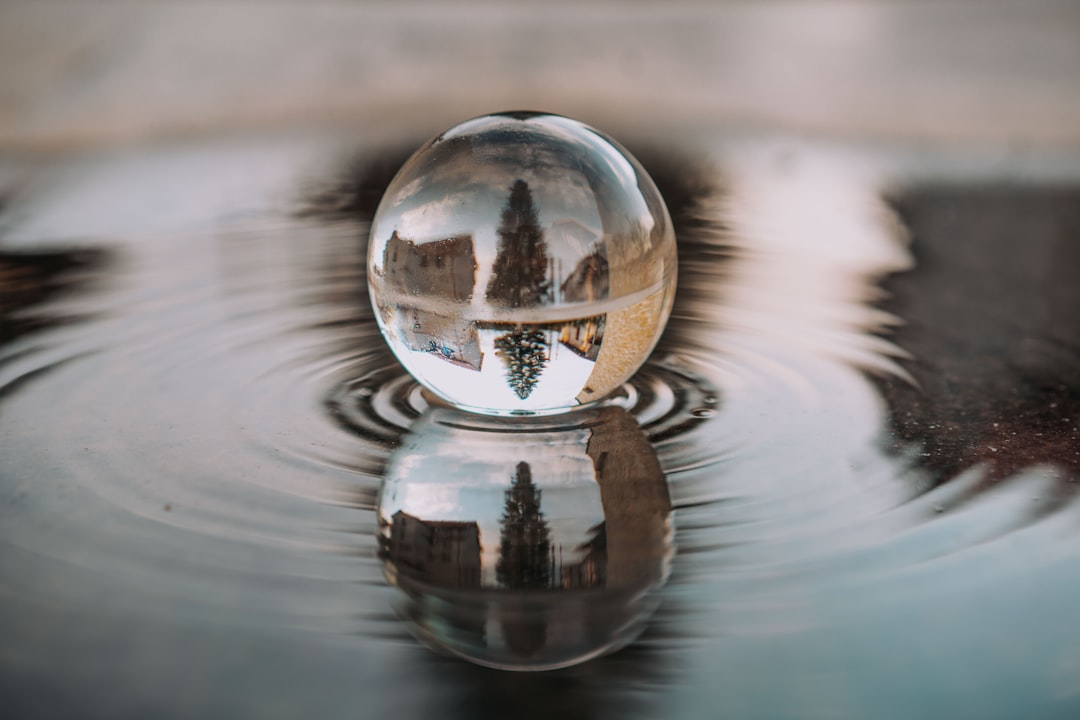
[
  {"x": 519, "y": 275},
  {"x": 525, "y": 539},
  {"x": 525, "y": 353}
]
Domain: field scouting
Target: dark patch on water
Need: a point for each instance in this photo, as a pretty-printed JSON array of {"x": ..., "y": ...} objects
[
  {"x": 29, "y": 280},
  {"x": 992, "y": 319}
]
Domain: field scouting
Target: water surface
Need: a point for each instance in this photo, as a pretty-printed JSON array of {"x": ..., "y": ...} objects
[{"x": 866, "y": 408}]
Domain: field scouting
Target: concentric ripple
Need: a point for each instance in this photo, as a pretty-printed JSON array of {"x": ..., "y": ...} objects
[{"x": 665, "y": 399}]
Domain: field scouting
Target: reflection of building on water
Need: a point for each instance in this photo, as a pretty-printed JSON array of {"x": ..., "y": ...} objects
[
  {"x": 591, "y": 570},
  {"x": 454, "y": 339},
  {"x": 583, "y": 336},
  {"x": 443, "y": 268},
  {"x": 634, "y": 495},
  {"x": 440, "y": 552}
]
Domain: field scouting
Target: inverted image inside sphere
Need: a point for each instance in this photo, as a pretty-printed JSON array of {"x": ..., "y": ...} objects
[{"x": 521, "y": 263}]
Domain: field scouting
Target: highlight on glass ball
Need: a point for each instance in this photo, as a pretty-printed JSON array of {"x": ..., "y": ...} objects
[
  {"x": 525, "y": 546},
  {"x": 521, "y": 263}
]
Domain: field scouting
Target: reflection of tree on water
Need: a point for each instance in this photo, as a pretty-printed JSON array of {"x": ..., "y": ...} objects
[
  {"x": 525, "y": 352},
  {"x": 31, "y": 279},
  {"x": 520, "y": 271},
  {"x": 525, "y": 560},
  {"x": 527, "y": 556},
  {"x": 576, "y": 529},
  {"x": 591, "y": 571},
  {"x": 441, "y": 552}
]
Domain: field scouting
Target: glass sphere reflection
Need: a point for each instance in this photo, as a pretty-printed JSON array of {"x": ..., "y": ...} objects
[
  {"x": 521, "y": 263},
  {"x": 527, "y": 546}
]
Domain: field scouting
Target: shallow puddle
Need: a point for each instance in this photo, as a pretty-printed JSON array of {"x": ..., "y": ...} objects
[{"x": 865, "y": 410}]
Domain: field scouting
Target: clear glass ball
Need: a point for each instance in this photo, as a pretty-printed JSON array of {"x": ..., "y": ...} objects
[{"x": 521, "y": 263}]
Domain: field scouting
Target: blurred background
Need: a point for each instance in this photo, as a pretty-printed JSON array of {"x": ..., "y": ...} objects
[{"x": 958, "y": 71}]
